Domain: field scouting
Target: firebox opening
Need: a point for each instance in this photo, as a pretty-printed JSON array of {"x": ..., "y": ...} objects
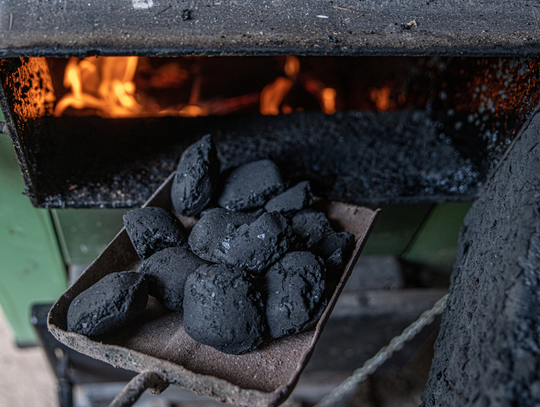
[{"x": 105, "y": 132}]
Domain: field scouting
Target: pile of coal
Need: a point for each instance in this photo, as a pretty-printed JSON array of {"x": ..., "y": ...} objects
[
  {"x": 295, "y": 288},
  {"x": 153, "y": 229},
  {"x": 196, "y": 177},
  {"x": 167, "y": 272},
  {"x": 260, "y": 266},
  {"x": 223, "y": 309},
  {"x": 114, "y": 301}
]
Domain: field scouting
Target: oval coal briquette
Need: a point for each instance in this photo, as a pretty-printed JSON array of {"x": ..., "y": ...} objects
[
  {"x": 114, "y": 301},
  {"x": 292, "y": 200},
  {"x": 256, "y": 246},
  {"x": 251, "y": 185},
  {"x": 212, "y": 228},
  {"x": 295, "y": 288},
  {"x": 312, "y": 226},
  {"x": 196, "y": 178},
  {"x": 153, "y": 229},
  {"x": 167, "y": 272},
  {"x": 223, "y": 309}
]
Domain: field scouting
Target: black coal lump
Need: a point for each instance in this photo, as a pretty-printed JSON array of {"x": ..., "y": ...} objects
[
  {"x": 326, "y": 246},
  {"x": 114, "y": 301},
  {"x": 212, "y": 228},
  {"x": 292, "y": 200},
  {"x": 223, "y": 309},
  {"x": 295, "y": 288},
  {"x": 167, "y": 272},
  {"x": 196, "y": 177},
  {"x": 256, "y": 246},
  {"x": 312, "y": 226},
  {"x": 153, "y": 229},
  {"x": 251, "y": 185}
]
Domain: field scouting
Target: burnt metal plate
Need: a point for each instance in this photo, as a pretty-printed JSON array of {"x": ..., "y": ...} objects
[
  {"x": 159, "y": 343},
  {"x": 271, "y": 27}
]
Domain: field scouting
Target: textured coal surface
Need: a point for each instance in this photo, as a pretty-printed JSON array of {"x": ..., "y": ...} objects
[
  {"x": 292, "y": 200},
  {"x": 332, "y": 242},
  {"x": 311, "y": 226},
  {"x": 224, "y": 309},
  {"x": 153, "y": 229},
  {"x": 251, "y": 185},
  {"x": 167, "y": 272},
  {"x": 211, "y": 230},
  {"x": 359, "y": 158},
  {"x": 256, "y": 246},
  {"x": 196, "y": 179},
  {"x": 488, "y": 353},
  {"x": 295, "y": 288},
  {"x": 114, "y": 301}
]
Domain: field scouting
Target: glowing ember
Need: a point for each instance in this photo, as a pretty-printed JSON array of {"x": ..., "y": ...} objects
[
  {"x": 104, "y": 84},
  {"x": 292, "y": 67},
  {"x": 273, "y": 94},
  {"x": 328, "y": 100},
  {"x": 381, "y": 97}
]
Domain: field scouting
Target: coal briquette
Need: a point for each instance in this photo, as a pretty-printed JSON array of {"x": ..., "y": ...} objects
[
  {"x": 256, "y": 246},
  {"x": 196, "y": 177},
  {"x": 312, "y": 226},
  {"x": 114, "y": 301},
  {"x": 251, "y": 185},
  {"x": 153, "y": 229},
  {"x": 292, "y": 200},
  {"x": 295, "y": 288},
  {"x": 213, "y": 228},
  {"x": 224, "y": 309},
  {"x": 167, "y": 272}
]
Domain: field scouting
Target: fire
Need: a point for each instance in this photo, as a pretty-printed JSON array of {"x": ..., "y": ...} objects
[
  {"x": 273, "y": 94},
  {"x": 104, "y": 84},
  {"x": 328, "y": 100},
  {"x": 381, "y": 97}
]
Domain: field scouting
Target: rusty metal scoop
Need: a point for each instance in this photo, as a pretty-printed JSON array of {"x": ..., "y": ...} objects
[{"x": 157, "y": 343}]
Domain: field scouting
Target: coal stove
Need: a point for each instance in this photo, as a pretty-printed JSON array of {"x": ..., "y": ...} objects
[{"x": 415, "y": 120}]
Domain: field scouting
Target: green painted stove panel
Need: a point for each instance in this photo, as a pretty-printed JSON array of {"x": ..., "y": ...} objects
[{"x": 31, "y": 266}]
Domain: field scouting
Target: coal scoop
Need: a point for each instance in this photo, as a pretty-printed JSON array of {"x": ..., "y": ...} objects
[{"x": 156, "y": 345}]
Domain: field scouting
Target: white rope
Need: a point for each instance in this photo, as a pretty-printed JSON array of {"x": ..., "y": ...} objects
[{"x": 384, "y": 354}]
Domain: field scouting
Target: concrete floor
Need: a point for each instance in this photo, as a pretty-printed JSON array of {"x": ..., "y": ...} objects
[{"x": 26, "y": 379}]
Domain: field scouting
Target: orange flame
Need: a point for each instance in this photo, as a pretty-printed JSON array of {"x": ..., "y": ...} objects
[
  {"x": 273, "y": 94},
  {"x": 328, "y": 100},
  {"x": 104, "y": 84},
  {"x": 381, "y": 97},
  {"x": 292, "y": 66}
]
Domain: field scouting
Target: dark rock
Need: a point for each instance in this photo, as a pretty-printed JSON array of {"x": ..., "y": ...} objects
[
  {"x": 251, "y": 185},
  {"x": 114, "y": 301},
  {"x": 312, "y": 226},
  {"x": 153, "y": 229},
  {"x": 256, "y": 246},
  {"x": 196, "y": 177},
  {"x": 167, "y": 272},
  {"x": 213, "y": 228},
  {"x": 223, "y": 309},
  {"x": 326, "y": 246},
  {"x": 292, "y": 200},
  {"x": 295, "y": 289}
]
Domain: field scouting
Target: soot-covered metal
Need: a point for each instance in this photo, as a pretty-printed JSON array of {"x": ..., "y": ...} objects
[
  {"x": 458, "y": 117},
  {"x": 268, "y": 27}
]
